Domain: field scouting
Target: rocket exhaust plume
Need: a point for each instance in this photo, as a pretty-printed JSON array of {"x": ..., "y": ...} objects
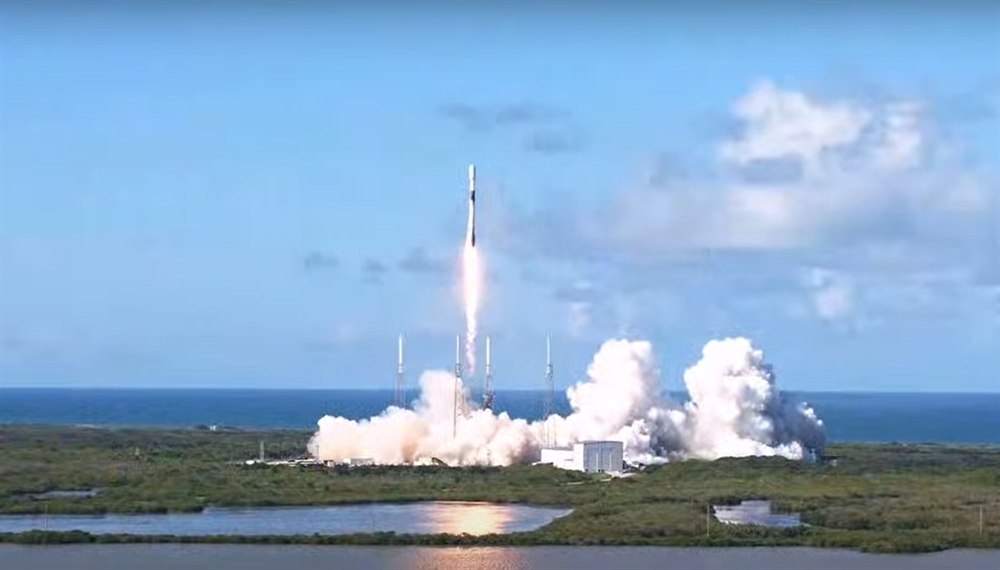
[
  {"x": 471, "y": 277},
  {"x": 734, "y": 410}
]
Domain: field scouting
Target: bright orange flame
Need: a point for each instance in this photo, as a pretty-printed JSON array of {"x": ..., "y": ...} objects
[{"x": 472, "y": 285}]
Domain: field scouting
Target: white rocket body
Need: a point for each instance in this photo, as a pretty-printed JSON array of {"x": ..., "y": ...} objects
[{"x": 470, "y": 232}]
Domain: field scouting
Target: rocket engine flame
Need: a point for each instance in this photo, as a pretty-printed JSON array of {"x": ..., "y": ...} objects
[{"x": 471, "y": 291}]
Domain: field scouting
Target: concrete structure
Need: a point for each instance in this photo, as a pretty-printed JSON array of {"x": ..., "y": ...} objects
[
  {"x": 587, "y": 456},
  {"x": 356, "y": 461},
  {"x": 561, "y": 457}
]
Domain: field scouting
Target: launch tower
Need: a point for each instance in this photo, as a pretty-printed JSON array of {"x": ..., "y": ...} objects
[
  {"x": 488, "y": 393},
  {"x": 547, "y": 401},
  {"x": 399, "y": 395}
]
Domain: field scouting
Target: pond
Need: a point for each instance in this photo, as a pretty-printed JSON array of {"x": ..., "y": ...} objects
[
  {"x": 67, "y": 494},
  {"x": 755, "y": 513},
  {"x": 414, "y": 518}
]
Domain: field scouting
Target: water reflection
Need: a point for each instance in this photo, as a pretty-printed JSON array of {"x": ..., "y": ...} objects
[
  {"x": 414, "y": 518},
  {"x": 271, "y": 557},
  {"x": 67, "y": 494},
  {"x": 473, "y": 518},
  {"x": 755, "y": 513},
  {"x": 475, "y": 558}
]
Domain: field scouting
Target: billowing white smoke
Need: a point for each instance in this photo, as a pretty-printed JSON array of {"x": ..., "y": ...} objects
[{"x": 734, "y": 410}]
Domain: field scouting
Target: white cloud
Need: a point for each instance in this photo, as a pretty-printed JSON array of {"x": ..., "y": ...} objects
[
  {"x": 868, "y": 173},
  {"x": 579, "y": 318},
  {"x": 788, "y": 124},
  {"x": 578, "y": 304},
  {"x": 832, "y": 294},
  {"x": 864, "y": 190},
  {"x": 902, "y": 139}
]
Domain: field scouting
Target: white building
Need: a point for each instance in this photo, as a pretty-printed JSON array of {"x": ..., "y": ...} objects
[
  {"x": 357, "y": 461},
  {"x": 587, "y": 456}
]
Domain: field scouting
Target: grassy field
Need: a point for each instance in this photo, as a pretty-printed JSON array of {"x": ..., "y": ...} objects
[{"x": 875, "y": 497}]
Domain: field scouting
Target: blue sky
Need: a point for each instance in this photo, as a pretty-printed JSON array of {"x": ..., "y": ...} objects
[{"x": 264, "y": 198}]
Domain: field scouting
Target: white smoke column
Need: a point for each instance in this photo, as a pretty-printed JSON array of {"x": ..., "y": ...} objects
[
  {"x": 734, "y": 410},
  {"x": 472, "y": 285},
  {"x": 405, "y": 436}
]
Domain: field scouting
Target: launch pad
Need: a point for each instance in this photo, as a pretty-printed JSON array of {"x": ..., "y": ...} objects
[{"x": 472, "y": 285}]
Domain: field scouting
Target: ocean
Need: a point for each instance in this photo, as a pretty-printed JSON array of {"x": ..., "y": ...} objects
[{"x": 872, "y": 417}]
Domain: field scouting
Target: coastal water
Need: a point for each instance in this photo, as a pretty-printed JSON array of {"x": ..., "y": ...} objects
[
  {"x": 909, "y": 418},
  {"x": 269, "y": 557},
  {"x": 409, "y": 518}
]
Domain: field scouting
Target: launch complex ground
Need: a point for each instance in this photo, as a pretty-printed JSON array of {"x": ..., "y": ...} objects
[{"x": 888, "y": 497}]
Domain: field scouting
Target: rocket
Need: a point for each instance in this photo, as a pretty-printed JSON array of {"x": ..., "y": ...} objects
[{"x": 470, "y": 232}]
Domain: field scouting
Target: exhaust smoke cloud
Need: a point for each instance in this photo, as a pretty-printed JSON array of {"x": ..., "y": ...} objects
[{"x": 734, "y": 410}]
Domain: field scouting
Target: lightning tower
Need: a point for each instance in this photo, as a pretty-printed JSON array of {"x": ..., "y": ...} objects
[
  {"x": 549, "y": 387},
  {"x": 399, "y": 398},
  {"x": 549, "y": 380}
]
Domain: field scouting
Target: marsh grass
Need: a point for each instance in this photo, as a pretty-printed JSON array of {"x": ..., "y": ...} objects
[{"x": 887, "y": 498}]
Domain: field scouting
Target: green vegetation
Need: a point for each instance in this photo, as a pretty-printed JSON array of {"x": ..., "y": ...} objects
[{"x": 876, "y": 497}]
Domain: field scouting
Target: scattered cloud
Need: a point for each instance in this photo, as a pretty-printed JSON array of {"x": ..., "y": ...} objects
[
  {"x": 549, "y": 130},
  {"x": 608, "y": 306},
  {"x": 417, "y": 260},
  {"x": 578, "y": 301},
  {"x": 809, "y": 174},
  {"x": 579, "y": 319},
  {"x": 862, "y": 195},
  {"x": 316, "y": 260},
  {"x": 832, "y": 294},
  {"x": 373, "y": 271},
  {"x": 553, "y": 142},
  {"x": 485, "y": 118}
]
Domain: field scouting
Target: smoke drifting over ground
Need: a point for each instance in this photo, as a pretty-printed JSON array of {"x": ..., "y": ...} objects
[{"x": 734, "y": 410}]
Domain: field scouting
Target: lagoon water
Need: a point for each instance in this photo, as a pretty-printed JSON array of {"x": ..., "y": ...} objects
[
  {"x": 270, "y": 557},
  {"x": 415, "y": 518}
]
